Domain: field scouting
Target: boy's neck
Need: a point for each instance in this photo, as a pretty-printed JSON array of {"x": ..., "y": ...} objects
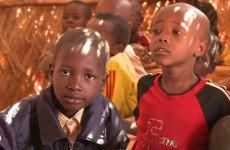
[{"x": 177, "y": 80}]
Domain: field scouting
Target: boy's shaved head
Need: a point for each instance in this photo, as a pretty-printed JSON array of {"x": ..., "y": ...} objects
[
  {"x": 191, "y": 18},
  {"x": 122, "y": 8},
  {"x": 121, "y": 29},
  {"x": 182, "y": 31},
  {"x": 130, "y": 10},
  {"x": 83, "y": 41}
]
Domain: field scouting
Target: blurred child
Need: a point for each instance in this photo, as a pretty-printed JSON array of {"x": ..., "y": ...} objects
[
  {"x": 71, "y": 113},
  {"x": 130, "y": 10},
  {"x": 220, "y": 135},
  {"x": 75, "y": 14},
  {"x": 121, "y": 85},
  {"x": 177, "y": 109}
]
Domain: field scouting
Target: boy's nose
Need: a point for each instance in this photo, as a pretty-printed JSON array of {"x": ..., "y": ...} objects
[
  {"x": 75, "y": 85},
  {"x": 163, "y": 39}
]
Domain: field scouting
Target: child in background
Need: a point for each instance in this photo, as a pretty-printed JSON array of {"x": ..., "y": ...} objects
[
  {"x": 177, "y": 109},
  {"x": 71, "y": 113},
  {"x": 75, "y": 14},
  {"x": 121, "y": 85},
  {"x": 131, "y": 12}
]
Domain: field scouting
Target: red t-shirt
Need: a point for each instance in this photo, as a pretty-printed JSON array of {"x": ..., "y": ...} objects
[{"x": 180, "y": 122}]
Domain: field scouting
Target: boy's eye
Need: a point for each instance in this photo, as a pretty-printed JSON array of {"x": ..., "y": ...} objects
[
  {"x": 176, "y": 32},
  {"x": 156, "y": 31},
  {"x": 89, "y": 76},
  {"x": 65, "y": 72}
]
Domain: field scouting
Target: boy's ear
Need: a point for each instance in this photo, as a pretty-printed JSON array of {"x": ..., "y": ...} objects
[
  {"x": 202, "y": 49},
  {"x": 51, "y": 70}
]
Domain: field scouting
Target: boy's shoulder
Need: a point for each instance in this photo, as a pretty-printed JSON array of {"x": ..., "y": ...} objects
[
  {"x": 148, "y": 80},
  {"x": 101, "y": 103},
  {"x": 214, "y": 101},
  {"x": 23, "y": 106},
  {"x": 120, "y": 61},
  {"x": 102, "y": 115},
  {"x": 145, "y": 83},
  {"x": 122, "y": 65},
  {"x": 18, "y": 111},
  {"x": 215, "y": 90},
  {"x": 117, "y": 58}
]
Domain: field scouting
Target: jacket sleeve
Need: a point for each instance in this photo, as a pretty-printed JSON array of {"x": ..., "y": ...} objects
[
  {"x": 7, "y": 132},
  {"x": 14, "y": 126},
  {"x": 118, "y": 138}
]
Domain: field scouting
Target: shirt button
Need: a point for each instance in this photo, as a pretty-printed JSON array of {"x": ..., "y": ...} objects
[{"x": 70, "y": 123}]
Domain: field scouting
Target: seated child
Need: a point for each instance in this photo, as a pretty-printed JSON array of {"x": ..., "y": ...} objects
[
  {"x": 122, "y": 81},
  {"x": 75, "y": 14},
  {"x": 131, "y": 12},
  {"x": 177, "y": 109},
  {"x": 220, "y": 135},
  {"x": 71, "y": 113}
]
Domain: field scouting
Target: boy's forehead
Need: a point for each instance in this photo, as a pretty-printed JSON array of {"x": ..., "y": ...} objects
[
  {"x": 178, "y": 14},
  {"x": 70, "y": 50},
  {"x": 85, "y": 48}
]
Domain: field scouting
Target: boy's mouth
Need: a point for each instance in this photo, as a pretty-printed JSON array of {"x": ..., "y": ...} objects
[
  {"x": 73, "y": 99},
  {"x": 161, "y": 51}
]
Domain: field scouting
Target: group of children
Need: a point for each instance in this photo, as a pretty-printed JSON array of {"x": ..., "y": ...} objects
[{"x": 175, "y": 109}]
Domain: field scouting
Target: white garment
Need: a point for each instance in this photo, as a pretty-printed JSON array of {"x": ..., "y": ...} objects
[{"x": 139, "y": 69}]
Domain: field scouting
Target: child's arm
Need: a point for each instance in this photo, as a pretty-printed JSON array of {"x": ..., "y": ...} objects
[{"x": 130, "y": 125}]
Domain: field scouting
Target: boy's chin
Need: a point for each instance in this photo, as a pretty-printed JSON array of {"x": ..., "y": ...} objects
[
  {"x": 72, "y": 109},
  {"x": 163, "y": 63}
]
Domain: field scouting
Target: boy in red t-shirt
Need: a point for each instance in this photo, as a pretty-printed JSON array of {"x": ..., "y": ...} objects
[{"x": 177, "y": 109}]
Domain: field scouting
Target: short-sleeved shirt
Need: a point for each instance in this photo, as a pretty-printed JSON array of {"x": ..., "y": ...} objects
[
  {"x": 178, "y": 121},
  {"x": 121, "y": 85}
]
